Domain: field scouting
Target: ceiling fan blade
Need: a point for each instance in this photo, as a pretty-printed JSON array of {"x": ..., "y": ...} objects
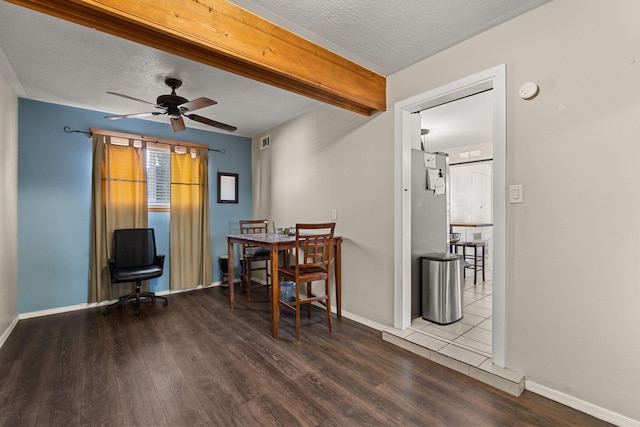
[
  {"x": 134, "y": 115},
  {"x": 131, "y": 98},
  {"x": 177, "y": 124},
  {"x": 197, "y": 104},
  {"x": 210, "y": 122}
]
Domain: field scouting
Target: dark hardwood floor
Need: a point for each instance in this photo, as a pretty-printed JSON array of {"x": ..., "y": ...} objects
[{"x": 197, "y": 362}]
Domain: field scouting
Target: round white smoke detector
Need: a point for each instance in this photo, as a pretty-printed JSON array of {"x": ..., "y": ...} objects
[{"x": 528, "y": 90}]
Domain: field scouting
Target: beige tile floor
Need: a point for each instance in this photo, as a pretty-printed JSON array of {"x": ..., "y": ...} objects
[{"x": 473, "y": 331}]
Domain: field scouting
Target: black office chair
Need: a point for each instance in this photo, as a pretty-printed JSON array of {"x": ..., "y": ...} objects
[{"x": 134, "y": 260}]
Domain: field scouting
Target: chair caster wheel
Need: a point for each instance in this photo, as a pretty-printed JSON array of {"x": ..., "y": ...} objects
[{"x": 137, "y": 313}]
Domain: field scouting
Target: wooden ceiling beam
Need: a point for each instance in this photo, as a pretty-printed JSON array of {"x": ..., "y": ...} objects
[{"x": 225, "y": 36}]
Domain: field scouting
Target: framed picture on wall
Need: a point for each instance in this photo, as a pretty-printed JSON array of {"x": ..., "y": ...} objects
[{"x": 227, "y": 187}]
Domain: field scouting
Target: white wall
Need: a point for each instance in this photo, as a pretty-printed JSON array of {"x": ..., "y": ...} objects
[
  {"x": 573, "y": 285},
  {"x": 8, "y": 209},
  {"x": 471, "y": 201}
]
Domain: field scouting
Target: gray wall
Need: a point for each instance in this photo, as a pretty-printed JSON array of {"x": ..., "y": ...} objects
[
  {"x": 8, "y": 209},
  {"x": 572, "y": 282}
]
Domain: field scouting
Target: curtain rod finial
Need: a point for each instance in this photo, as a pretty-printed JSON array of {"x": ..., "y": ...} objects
[{"x": 67, "y": 129}]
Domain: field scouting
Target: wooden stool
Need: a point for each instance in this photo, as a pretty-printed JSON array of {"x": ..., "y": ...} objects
[{"x": 478, "y": 263}]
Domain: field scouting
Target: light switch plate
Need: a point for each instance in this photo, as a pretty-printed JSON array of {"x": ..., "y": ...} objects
[{"x": 516, "y": 194}]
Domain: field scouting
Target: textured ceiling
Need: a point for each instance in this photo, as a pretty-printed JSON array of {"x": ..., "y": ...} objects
[
  {"x": 79, "y": 65},
  {"x": 47, "y": 59},
  {"x": 388, "y": 35}
]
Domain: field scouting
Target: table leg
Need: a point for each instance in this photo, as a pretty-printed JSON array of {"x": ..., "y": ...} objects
[
  {"x": 482, "y": 263},
  {"x": 231, "y": 273},
  {"x": 475, "y": 265},
  {"x": 275, "y": 291},
  {"x": 338, "y": 268}
]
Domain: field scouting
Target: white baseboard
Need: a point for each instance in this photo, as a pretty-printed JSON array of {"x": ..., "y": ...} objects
[
  {"x": 358, "y": 319},
  {"x": 580, "y": 405},
  {"x": 58, "y": 310},
  {"x": 8, "y": 331},
  {"x": 85, "y": 306}
]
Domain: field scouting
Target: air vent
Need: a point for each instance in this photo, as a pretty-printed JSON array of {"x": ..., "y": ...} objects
[{"x": 265, "y": 142}]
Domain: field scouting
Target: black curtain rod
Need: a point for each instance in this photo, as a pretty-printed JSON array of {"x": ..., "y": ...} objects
[{"x": 67, "y": 129}]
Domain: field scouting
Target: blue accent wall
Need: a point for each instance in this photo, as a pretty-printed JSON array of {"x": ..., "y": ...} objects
[{"x": 54, "y": 199}]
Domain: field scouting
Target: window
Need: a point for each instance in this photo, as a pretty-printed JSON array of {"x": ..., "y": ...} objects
[
  {"x": 158, "y": 163},
  {"x": 158, "y": 178}
]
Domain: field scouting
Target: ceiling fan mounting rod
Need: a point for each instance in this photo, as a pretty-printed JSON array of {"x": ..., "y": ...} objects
[{"x": 173, "y": 83}]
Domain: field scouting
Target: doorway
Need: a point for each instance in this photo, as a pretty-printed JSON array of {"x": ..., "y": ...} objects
[{"x": 494, "y": 78}]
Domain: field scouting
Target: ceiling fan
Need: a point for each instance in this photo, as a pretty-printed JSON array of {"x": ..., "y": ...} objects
[{"x": 175, "y": 107}]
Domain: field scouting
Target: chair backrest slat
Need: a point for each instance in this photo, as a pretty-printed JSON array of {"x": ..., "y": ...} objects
[
  {"x": 252, "y": 226},
  {"x": 314, "y": 243}
]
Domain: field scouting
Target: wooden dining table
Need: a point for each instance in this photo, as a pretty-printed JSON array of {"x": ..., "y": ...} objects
[{"x": 276, "y": 243}]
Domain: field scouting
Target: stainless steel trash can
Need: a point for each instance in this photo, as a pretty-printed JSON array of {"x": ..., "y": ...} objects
[{"x": 442, "y": 287}]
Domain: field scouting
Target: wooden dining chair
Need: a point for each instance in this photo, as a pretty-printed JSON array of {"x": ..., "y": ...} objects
[
  {"x": 253, "y": 254},
  {"x": 312, "y": 255}
]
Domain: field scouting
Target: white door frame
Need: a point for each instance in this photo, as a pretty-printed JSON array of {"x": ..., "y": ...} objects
[{"x": 492, "y": 78}]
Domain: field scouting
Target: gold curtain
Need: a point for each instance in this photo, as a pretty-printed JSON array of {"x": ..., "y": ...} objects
[
  {"x": 118, "y": 200},
  {"x": 190, "y": 248}
]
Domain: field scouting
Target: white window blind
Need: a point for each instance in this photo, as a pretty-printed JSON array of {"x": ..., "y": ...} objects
[{"x": 158, "y": 178}]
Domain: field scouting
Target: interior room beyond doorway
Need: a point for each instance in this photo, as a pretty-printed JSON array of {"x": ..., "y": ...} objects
[
  {"x": 405, "y": 126},
  {"x": 463, "y": 129},
  {"x": 471, "y": 202}
]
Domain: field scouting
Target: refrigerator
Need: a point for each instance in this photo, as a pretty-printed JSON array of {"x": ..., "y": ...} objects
[{"x": 429, "y": 215}]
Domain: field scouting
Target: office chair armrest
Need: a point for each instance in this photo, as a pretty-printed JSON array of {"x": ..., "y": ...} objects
[
  {"x": 159, "y": 260},
  {"x": 112, "y": 268}
]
